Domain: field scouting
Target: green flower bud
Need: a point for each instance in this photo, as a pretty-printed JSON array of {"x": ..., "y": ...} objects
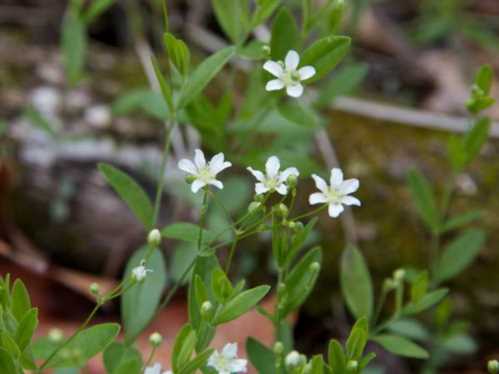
[
  {"x": 315, "y": 266},
  {"x": 352, "y": 365},
  {"x": 190, "y": 178},
  {"x": 94, "y": 289},
  {"x": 206, "y": 309},
  {"x": 266, "y": 49},
  {"x": 389, "y": 285},
  {"x": 292, "y": 225},
  {"x": 283, "y": 210},
  {"x": 56, "y": 335},
  {"x": 154, "y": 238},
  {"x": 278, "y": 348},
  {"x": 155, "y": 339},
  {"x": 493, "y": 366},
  {"x": 399, "y": 275}
]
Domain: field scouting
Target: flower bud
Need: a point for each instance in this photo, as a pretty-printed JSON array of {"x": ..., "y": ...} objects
[
  {"x": 292, "y": 359},
  {"x": 315, "y": 266},
  {"x": 254, "y": 205},
  {"x": 206, "y": 309},
  {"x": 278, "y": 348},
  {"x": 352, "y": 365},
  {"x": 56, "y": 335},
  {"x": 493, "y": 366},
  {"x": 292, "y": 181},
  {"x": 94, "y": 289},
  {"x": 292, "y": 225},
  {"x": 154, "y": 238},
  {"x": 266, "y": 49},
  {"x": 388, "y": 285},
  {"x": 155, "y": 339},
  {"x": 399, "y": 275},
  {"x": 283, "y": 210}
]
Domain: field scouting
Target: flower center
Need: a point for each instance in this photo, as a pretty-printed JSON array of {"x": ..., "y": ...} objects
[
  {"x": 205, "y": 174},
  {"x": 272, "y": 183},
  {"x": 291, "y": 77},
  {"x": 222, "y": 363},
  {"x": 333, "y": 196}
]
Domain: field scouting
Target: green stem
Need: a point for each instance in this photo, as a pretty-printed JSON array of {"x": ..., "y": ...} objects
[
  {"x": 311, "y": 213},
  {"x": 162, "y": 171},
  {"x": 231, "y": 255}
]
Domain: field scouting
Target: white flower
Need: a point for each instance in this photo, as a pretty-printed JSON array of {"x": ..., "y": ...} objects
[
  {"x": 273, "y": 179},
  {"x": 227, "y": 361},
  {"x": 139, "y": 273},
  {"x": 292, "y": 359},
  {"x": 156, "y": 369},
  {"x": 337, "y": 194},
  {"x": 288, "y": 75},
  {"x": 204, "y": 173}
]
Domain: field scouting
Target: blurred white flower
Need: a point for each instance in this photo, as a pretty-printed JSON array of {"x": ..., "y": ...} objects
[
  {"x": 227, "y": 362},
  {"x": 288, "y": 75},
  {"x": 336, "y": 194},
  {"x": 156, "y": 369},
  {"x": 273, "y": 179},
  {"x": 292, "y": 359},
  {"x": 98, "y": 116},
  {"x": 46, "y": 100},
  {"x": 204, "y": 173},
  {"x": 139, "y": 273}
]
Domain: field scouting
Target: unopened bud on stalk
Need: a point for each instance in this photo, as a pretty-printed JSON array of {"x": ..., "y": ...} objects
[
  {"x": 94, "y": 289},
  {"x": 352, "y": 365},
  {"x": 283, "y": 210},
  {"x": 266, "y": 49},
  {"x": 292, "y": 359},
  {"x": 206, "y": 309},
  {"x": 155, "y": 339},
  {"x": 278, "y": 348},
  {"x": 399, "y": 275},
  {"x": 56, "y": 335},
  {"x": 292, "y": 225},
  {"x": 493, "y": 366},
  {"x": 154, "y": 238},
  {"x": 315, "y": 266}
]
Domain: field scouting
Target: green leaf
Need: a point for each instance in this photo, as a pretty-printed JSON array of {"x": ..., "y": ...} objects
[
  {"x": 203, "y": 74},
  {"x": 264, "y": 9},
  {"x": 84, "y": 346},
  {"x": 336, "y": 357},
  {"x": 426, "y": 302},
  {"x": 183, "y": 347},
  {"x": 301, "y": 281},
  {"x": 261, "y": 357},
  {"x": 232, "y": 15},
  {"x": 96, "y": 8},
  {"x": 343, "y": 82},
  {"x": 459, "y": 254},
  {"x": 410, "y": 328},
  {"x": 122, "y": 359},
  {"x": 26, "y": 328},
  {"x": 299, "y": 239},
  {"x": 178, "y": 53},
  {"x": 484, "y": 78},
  {"x": 424, "y": 199},
  {"x": 357, "y": 340},
  {"x": 285, "y": 34},
  {"x": 142, "y": 100},
  {"x": 139, "y": 303},
  {"x": 73, "y": 45},
  {"x": 241, "y": 304},
  {"x": 197, "y": 362},
  {"x": 187, "y": 232},
  {"x": 476, "y": 138},
  {"x": 166, "y": 91},
  {"x": 461, "y": 220},
  {"x": 325, "y": 54},
  {"x": 401, "y": 346},
  {"x": 21, "y": 302},
  {"x": 7, "y": 365},
  {"x": 130, "y": 192},
  {"x": 356, "y": 283}
]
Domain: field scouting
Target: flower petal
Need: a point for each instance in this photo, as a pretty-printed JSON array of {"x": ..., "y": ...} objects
[
  {"x": 260, "y": 188},
  {"x": 334, "y": 210},
  {"x": 292, "y": 60},
  {"x": 217, "y": 163},
  {"x": 187, "y": 166},
  {"x": 273, "y": 68},
  {"x": 320, "y": 183},
  {"x": 272, "y": 166},
  {"x": 274, "y": 85},
  {"x": 230, "y": 350},
  {"x": 216, "y": 183},
  {"x": 199, "y": 159},
  {"x": 238, "y": 365},
  {"x": 349, "y": 186},
  {"x": 257, "y": 174},
  {"x": 282, "y": 189},
  {"x": 197, "y": 185},
  {"x": 155, "y": 369},
  {"x": 317, "y": 198},
  {"x": 306, "y": 72},
  {"x": 336, "y": 177},
  {"x": 294, "y": 90},
  {"x": 350, "y": 200},
  {"x": 287, "y": 173}
]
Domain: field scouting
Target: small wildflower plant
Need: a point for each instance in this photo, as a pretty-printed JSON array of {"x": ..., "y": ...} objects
[{"x": 287, "y": 69}]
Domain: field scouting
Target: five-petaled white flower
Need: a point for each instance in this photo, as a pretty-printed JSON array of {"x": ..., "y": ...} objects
[
  {"x": 139, "y": 273},
  {"x": 288, "y": 75},
  {"x": 273, "y": 179},
  {"x": 156, "y": 369},
  {"x": 204, "y": 173},
  {"x": 227, "y": 362},
  {"x": 337, "y": 194}
]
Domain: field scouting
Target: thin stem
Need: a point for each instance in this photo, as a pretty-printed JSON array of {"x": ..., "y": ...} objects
[
  {"x": 231, "y": 255},
  {"x": 202, "y": 219},
  {"x": 311, "y": 213},
  {"x": 149, "y": 358},
  {"x": 162, "y": 171}
]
